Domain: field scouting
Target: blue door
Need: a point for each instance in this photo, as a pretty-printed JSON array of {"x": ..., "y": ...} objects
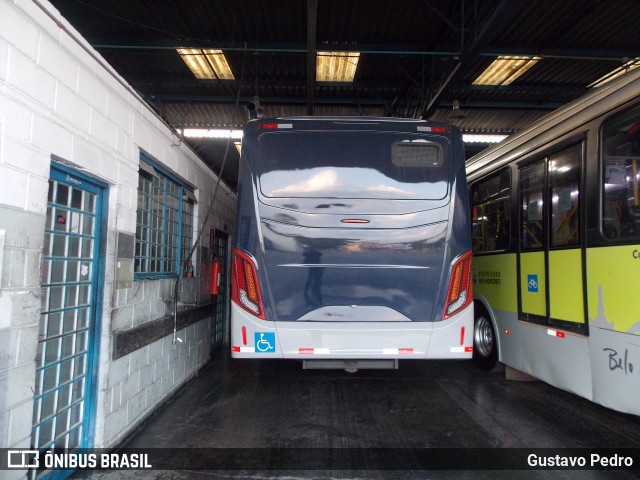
[{"x": 67, "y": 348}]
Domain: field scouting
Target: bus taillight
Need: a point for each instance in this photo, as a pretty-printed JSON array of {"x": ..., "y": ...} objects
[
  {"x": 459, "y": 294},
  {"x": 245, "y": 290}
]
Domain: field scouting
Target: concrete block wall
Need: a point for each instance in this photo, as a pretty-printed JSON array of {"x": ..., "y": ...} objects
[
  {"x": 59, "y": 98},
  {"x": 137, "y": 382}
]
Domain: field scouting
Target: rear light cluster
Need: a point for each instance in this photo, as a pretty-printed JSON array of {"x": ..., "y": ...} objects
[
  {"x": 245, "y": 289},
  {"x": 459, "y": 294}
]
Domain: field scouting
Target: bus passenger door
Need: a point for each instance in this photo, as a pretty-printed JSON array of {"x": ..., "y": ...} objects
[
  {"x": 551, "y": 267},
  {"x": 533, "y": 278}
]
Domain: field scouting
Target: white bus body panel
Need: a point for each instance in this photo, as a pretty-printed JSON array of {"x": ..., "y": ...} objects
[
  {"x": 603, "y": 367},
  {"x": 615, "y": 361},
  {"x": 353, "y": 340},
  {"x": 545, "y": 353}
]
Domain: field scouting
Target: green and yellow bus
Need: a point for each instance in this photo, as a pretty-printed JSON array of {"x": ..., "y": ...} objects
[{"x": 556, "y": 239}]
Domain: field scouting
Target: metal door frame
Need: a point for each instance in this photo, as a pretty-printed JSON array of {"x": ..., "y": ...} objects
[{"x": 72, "y": 178}]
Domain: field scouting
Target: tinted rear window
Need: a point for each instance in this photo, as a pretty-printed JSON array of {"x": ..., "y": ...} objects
[
  {"x": 352, "y": 165},
  {"x": 414, "y": 154}
]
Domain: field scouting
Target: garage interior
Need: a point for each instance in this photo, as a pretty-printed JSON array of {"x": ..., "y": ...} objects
[
  {"x": 98, "y": 102},
  {"x": 419, "y": 58}
]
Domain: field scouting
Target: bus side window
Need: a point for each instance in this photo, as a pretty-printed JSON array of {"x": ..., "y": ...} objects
[
  {"x": 621, "y": 175},
  {"x": 532, "y": 206},
  {"x": 491, "y": 223},
  {"x": 564, "y": 178}
]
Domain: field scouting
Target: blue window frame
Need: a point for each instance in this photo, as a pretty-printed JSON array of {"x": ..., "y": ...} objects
[{"x": 164, "y": 222}]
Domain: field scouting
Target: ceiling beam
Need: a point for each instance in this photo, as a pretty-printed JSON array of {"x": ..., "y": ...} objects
[
  {"x": 440, "y": 14},
  {"x": 499, "y": 15},
  {"x": 190, "y": 81},
  {"x": 357, "y": 102},
  {"x": 312, "y": 20},
  {"x": 161, "y": 45}
]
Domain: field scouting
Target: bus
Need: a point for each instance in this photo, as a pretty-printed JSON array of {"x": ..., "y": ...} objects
[
  {"x": 556, "y": 247},
  {"x": 352, "y": 245}
]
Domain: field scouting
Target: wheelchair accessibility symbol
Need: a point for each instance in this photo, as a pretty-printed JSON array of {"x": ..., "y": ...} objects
[{"x": 265, "y": 342}]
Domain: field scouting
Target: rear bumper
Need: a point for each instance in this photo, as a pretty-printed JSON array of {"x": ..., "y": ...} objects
[{"x": 252, "y": 337}]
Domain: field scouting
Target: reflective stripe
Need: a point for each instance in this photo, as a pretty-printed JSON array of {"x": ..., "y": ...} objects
[
  {"x": 461, "y": 350},
  {"x": 432, "y": 129},
  {"x": 327, "y": 351},
  {"x": 555, "y": 333},
  {"x": 314, "y": 351},
  {"x": 243, "y": 349},
  {"x": 270, "y": 126}
]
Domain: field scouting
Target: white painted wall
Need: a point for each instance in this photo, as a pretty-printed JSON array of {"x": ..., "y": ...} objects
[{"x": 58, "y": 97}]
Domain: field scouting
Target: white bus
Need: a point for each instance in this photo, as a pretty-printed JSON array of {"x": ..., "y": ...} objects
[
  {"x": 352, "y": 243},
  {"x": 556, "y": 241}
]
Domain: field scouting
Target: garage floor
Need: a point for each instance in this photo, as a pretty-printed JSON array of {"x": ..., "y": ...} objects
[{"x": 245, "y": 404}]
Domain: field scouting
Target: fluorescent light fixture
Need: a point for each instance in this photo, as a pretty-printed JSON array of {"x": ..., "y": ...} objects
[
  {"x": 505, "y": 69},
  {"x": 336, "y": 66},
  {"x": 206, "y": 64},
  {"x": 212, "y": 133},
  {"x": 482, "y": 138},
  {"x": 627, "y": 67}
]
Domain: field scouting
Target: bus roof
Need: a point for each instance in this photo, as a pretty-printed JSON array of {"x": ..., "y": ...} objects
[
  {"x": 568, "y": 117},
  {"x": 307, "y": 123}
]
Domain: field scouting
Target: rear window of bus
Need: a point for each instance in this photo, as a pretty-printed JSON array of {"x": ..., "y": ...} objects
[{"x": 352, "y": 165}]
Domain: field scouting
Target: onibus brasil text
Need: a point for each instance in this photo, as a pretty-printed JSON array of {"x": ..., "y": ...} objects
[{"x": 95, "y": 460}]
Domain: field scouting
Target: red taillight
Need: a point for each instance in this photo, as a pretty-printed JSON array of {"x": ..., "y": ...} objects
[
  {"x": 245, "y": 289},
  {"x": 459, "y": 294}
]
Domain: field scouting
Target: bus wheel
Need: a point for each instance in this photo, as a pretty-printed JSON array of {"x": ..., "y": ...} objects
[{"x": 485, "y": 351}]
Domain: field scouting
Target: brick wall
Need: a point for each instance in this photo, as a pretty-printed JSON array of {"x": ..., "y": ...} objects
[{"x": 58, "y": 98}]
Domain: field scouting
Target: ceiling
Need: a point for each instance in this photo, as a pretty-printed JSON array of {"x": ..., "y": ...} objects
[{"x": 417, "y": 57}]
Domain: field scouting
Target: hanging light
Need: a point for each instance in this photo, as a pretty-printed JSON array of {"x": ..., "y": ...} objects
[{"x": 456, "y": 113}]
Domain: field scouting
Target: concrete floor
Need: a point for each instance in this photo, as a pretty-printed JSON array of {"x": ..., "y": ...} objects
[{"x": 242, "y": 404}]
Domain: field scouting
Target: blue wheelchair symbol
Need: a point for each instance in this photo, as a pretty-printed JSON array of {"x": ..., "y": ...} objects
[
  {"x": 265, "y": 342},
  {"x": 532, "y": 283}
]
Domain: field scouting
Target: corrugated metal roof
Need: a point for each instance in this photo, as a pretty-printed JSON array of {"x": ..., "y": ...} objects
[{"x": 417, "y": 55}]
